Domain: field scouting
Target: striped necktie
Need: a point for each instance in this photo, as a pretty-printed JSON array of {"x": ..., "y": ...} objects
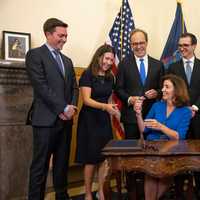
[
  {"x": 188, "y": 70},
  {"x": 58, "y": 60}
]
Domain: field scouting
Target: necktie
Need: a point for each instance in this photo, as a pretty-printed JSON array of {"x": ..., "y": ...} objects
[
  {"x": 188, "y": 71},
  {"x": 142, "y": 71},
  {"x": 58, "y": 60}
]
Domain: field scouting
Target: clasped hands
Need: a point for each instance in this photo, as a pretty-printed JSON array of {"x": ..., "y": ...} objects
[
  {"x": 68, "y": 115},
  {"x": 150, "y": 94}
]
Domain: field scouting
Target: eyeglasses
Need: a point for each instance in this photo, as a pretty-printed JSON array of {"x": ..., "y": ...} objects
[
  {"x": 138, "y": 44},
  {"x": 184, "y": 45}
]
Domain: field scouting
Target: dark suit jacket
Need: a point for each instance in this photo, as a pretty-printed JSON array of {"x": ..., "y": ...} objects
[
  {"x": 51, "y": 90},
  {"x": 194, "y": 87},
  {"x": 129, "y": 84}
]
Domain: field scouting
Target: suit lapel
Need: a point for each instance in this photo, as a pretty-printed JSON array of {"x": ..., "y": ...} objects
[
  {"x": 195, "y": 71},
  {"x": 66, "y": 67},
  {"x": 150, "y": 70},
  {"x": 182, "y": 71},
  {"x": 52, "y": 62},
  {"x": 136, "y": 72}
]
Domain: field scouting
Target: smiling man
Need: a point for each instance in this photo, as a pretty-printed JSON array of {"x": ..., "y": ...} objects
[
  {"x": 55, "y": 96},
  {"x": 188, "y": 68},
  {"x": 138, "y": 76}
]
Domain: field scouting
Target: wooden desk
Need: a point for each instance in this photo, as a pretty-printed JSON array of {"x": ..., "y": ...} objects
[{"x": 156, "y": 158}]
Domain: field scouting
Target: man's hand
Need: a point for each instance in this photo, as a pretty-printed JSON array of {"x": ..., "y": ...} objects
[
  {"x": 151, "y": 94},
  {"x": 62, "y": 117},
  {"x": 70, "y": 112},
  {"x": 193, "y": 111},
  {"x": 133, "y": 99}
]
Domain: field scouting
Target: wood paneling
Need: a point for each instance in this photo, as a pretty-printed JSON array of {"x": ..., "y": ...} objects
[{"x": 78, "y": 71}]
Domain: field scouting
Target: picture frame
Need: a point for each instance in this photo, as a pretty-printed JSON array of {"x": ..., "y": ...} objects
[{"x": 15, "y": 45}]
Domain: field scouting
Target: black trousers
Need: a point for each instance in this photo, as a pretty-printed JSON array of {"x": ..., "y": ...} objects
[
  {"x": 195, "y": 134},
  {"x": 131, "y": 131},
  {"x": 49, "y": 141}
]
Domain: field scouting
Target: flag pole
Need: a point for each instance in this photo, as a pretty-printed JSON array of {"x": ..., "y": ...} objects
[
  {"x": 121, "y": 31},
  {"x": 179, "y": 1}
]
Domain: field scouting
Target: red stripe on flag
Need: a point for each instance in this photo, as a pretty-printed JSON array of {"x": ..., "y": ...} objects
[{"x": 116, "y": 124}]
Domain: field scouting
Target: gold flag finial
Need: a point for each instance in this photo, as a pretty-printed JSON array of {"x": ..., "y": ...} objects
[{"x": 179, "y": 1}]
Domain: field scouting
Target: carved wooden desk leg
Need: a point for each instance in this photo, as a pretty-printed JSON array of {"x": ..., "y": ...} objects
[
  {"x": 118, "y": 176},
  {"x": 189, "y": 194},
  {"x": 106, "y": 183}
]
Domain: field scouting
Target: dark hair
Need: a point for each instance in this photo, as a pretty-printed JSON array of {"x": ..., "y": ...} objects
[
  {"x": 180, "y": 90},
  {"x": 136, "y": 30},
  {"x": 95, "y": 65},
  {"x": 192, "y": 37},
  {"x": 51, "y": 23}
]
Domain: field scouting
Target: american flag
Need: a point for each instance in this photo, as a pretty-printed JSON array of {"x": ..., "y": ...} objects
[
  {"x": 119, "y": 38},
  {"x": 120, "y": 31}
]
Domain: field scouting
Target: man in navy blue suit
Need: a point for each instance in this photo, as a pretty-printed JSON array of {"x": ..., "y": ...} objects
[
  {"x": 188, "y": 68},
  {"x": 55, "y": 96},
  {"x": 138, "y": 76}
]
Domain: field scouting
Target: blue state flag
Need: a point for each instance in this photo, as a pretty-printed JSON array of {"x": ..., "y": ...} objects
[{"x": 170, "y": 53}]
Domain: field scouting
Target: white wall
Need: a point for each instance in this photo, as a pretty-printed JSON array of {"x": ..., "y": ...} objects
[{"x": 90, "y": 21}]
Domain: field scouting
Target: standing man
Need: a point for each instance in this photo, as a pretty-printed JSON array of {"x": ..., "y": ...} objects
[
  {"x": 55, "y": 96},
  {"x": 138, "y": 76},
  {"x": 188, "y": 68}
]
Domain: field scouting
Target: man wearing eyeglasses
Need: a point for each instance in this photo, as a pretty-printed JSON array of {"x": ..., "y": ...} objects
[
  {"x": 188, "y": 68},
  {"x": 138, "y": 77}
]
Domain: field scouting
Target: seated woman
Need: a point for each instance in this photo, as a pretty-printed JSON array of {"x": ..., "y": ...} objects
[{"x": 168, "y": 119}]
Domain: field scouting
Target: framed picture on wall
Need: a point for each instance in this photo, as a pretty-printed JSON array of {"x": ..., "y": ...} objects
[{"x": 15, "y": 45}]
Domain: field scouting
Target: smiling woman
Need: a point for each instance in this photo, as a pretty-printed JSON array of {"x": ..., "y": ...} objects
[
  {"x": 167, "y": 113},
  {"x": 94, "y": 125},
  {"x": 167, "y": 119}
]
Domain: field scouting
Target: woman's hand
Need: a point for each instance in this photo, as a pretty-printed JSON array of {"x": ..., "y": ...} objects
[
  {"x": 111, "y": 108},
  {"x": 138, "y": 106},
  {"x": 153, "y": 123}
]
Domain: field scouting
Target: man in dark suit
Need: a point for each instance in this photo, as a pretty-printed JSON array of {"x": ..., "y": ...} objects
[
  {"x": 55, "y": 96},
  {"x": 188, "y": 68},
  {"x": 138, "y": 77}
]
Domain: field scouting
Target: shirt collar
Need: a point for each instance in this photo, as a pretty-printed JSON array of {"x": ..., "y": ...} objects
[
  {"x": 138, "y": 59},
  {"x": 191, "y": 60},
  {"x": 51, "y": 49}
]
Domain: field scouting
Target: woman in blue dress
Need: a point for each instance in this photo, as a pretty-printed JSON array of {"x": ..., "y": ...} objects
[
  {"x": 168, "y": 119},
  {"x": 94, "y": 124}
]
